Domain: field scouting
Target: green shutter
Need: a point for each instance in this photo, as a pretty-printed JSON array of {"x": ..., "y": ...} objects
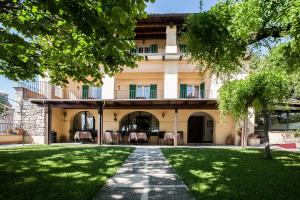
[
  {"x": 183, "y": 91},
  {"x": 132, "y": 91},
  {"x": 153, "y": 48},
  {"x": 202, "y": 90},
  {"x": 153, "y": 91},
  {"x": 85, "y": 91}
]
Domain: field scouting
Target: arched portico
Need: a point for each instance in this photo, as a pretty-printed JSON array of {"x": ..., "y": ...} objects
[{"x": 139, "y": 121}]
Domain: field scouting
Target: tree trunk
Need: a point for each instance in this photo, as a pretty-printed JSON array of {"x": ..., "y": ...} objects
[{"x": 268, "y": 154}]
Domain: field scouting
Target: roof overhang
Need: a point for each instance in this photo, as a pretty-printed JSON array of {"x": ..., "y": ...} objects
[{"x": 129, "y": 103}]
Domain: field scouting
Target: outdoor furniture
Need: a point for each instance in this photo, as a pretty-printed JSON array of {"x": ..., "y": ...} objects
[
  {"x": 107, "y": 139},
  {"x": 116, "y": 137},
  {"x": 154, "y": 139},
  {"x": 161, "y": 135},
  {"x": 180, "y": 137},
  {"x": 137, "y": 136},
  {"x": 169, "y": 137},
  {"x": 82, "y": 135}
]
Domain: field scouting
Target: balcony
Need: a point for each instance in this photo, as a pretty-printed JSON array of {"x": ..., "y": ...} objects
[
  {"x": 202, "y": 94},
  {"x": 158, "y": 52},
  {"x": 45, "y": 90},
  {"x": 142, "y": 94}
]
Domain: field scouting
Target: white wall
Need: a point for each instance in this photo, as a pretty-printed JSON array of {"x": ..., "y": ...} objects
[
  {"x": 108, "y": 87},
  {"x": 171, "y": 80},
  {"x": 171, "y": 33}
]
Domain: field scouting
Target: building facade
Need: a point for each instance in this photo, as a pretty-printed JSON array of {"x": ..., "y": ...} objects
[{"x": 166, "y": 93}]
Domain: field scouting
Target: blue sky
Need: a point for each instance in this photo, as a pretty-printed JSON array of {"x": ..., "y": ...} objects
[{"x": 160, "y": 6}]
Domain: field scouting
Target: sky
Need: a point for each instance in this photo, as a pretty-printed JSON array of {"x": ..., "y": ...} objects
[{"x": 160, "y": 6}]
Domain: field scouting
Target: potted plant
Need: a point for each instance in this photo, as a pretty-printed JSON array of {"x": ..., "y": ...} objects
[{"x": 229, "y": 139}]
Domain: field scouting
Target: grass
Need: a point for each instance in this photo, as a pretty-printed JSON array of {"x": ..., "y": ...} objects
[
  {"x": 57, "y": 172},
  {"x": 237, "y": 174}
]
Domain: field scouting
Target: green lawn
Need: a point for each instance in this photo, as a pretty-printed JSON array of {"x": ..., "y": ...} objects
[
  {"x": 237, "y": 174},
  {"x": 57, "y": 172}
]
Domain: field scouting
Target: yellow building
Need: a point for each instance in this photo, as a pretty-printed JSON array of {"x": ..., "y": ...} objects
[{"x": 165, "y": 94}]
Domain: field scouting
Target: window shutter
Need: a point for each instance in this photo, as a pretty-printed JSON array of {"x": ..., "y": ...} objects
[
  {"x": 153, "y": 91},
  {"x": 183, "y": 91},
  {"x": 85, "y": 91},
  {"x": 132, "y": 91},
  {"x": 202, "y": 90}
]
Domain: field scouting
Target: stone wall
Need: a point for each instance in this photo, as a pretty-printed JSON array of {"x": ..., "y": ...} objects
[{"x": 34, "y": 119}]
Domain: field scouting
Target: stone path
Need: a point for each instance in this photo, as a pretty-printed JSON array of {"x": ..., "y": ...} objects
[{"x": 145, "y": 175}]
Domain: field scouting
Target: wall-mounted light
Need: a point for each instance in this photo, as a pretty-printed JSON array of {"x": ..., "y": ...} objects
[
  {"x": 115, "y": 117},
  {"x": 65, "y": 115},
  {"x": 163, "y": 115}
]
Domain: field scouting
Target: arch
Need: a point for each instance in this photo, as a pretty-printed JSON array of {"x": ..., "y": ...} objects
[
  {"x": 139, "y": 121},
  {"x": 200, "y": 128},
  {"x": 83, "y": 121}
]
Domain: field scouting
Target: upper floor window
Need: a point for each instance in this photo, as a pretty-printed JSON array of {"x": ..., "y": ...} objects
[
  {"x": 192, "y": 91},
  {"x": 143, "y": 91}
]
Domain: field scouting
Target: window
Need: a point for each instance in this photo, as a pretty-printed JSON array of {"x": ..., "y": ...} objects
[
  {"x": 143, "y": 91},
  {"x": 192, "y": 91},
  {"x": 84, "y": 121},
  {"x": 279, "y": 121}
]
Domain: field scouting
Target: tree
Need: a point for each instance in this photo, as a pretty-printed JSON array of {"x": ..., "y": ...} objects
[
  {"x": 268, "y": 31},
  {"x": 69, "y": 40},
  {"x": 3, "y": 107},
  {"x": 221, "y": 37},
  {"x": 262, "y": 90}
]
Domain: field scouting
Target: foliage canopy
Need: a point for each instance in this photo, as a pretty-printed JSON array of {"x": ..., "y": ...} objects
[
  {"x": 227, "y": 33},
  {"x": 67, "y": 39}
]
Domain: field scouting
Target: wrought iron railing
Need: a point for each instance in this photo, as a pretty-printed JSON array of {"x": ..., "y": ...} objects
[
  {"x": 201, "y": 94},
  {"x": 149, "y": 49},
  {"x": 6, "y": 128},
  {"x": 45, "y": 90},
  {"x": 135, "y": 94}
]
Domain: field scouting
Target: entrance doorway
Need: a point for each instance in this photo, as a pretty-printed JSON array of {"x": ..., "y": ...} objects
[{"x": 200, "y": 128}]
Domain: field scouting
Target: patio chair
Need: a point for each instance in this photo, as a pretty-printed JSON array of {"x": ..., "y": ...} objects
[
  {"x": 180, "y": 137},
  {"x": 161, "y": 135}
]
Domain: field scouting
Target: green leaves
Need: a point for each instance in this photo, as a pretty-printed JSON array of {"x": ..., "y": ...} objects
[
  {"x": 261, "y": 90},
  {"x": 211, "y": 45},
  {"x": 68, "y": 40},
  {"x": 3, "y": 108},
  {"x": 220, "y": 38}
]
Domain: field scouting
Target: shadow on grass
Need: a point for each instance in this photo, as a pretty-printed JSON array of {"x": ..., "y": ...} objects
[
  {"x": 57, "y": 172},
  {"x": 237, "y": 174}
]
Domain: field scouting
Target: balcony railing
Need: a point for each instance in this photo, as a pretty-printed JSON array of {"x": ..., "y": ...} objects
[
  {"x": 135, "y": 94},
  {"x": 202, "y": 94},
  {"x": 150, "y": 49},
  {"x": 156, "y": 49},
  {"x": 45, "y": 90},
  {"x": 6, "y": 128}
]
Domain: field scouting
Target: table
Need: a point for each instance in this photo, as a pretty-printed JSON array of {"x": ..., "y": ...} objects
[
  {"x": 107, "y": 138},
  {"x": 137, "y": 136},
  {"x": 170, "y": 136},
  {"x": 80, "y": 135},
  {"x": 116, "y": 137}
]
